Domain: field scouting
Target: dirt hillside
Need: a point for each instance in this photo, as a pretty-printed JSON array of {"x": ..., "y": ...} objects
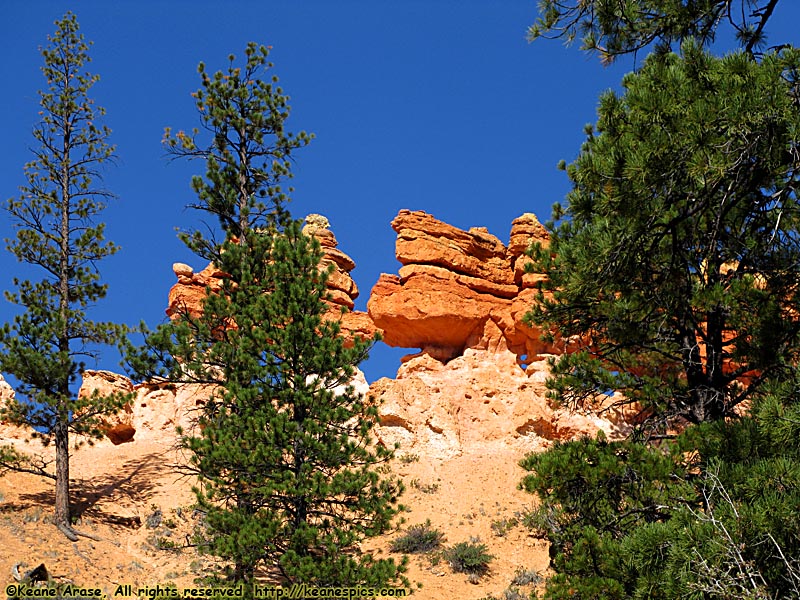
[{"x": 138, "y": 507}]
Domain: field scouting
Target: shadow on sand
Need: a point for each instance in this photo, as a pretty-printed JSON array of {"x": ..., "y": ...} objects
[{"x": 100, "y": 498}]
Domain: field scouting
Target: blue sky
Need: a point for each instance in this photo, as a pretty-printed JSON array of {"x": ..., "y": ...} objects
[{"x": 435, "y": 105}]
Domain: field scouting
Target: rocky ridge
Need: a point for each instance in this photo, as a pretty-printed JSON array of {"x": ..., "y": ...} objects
[{"x": 459, "y": 297}]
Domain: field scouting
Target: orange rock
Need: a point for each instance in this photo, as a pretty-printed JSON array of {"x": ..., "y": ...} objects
[
  {"x": 428, "y": 309},
  {"x": 453, "y": 283},
  {"x": 423, "y": 239},
  {"x": 354, "y": 324},
  {"x": 344, "y": 262},
  {"x": 186, "y": 296},
  {"x": 339, "y": 280},
  {"x": 525, "y": 231},
  {"x": 474, "y": 283}
]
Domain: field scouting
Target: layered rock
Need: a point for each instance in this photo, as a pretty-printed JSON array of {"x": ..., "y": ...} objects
[
  {"x": 453, "y": 282},
  {"x": 479, "y": 378},
  {"x": 341, "y": 287},
  {"x": 187, "y": 295}
]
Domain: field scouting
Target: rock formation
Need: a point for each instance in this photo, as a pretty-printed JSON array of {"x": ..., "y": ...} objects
[
  {"x": 156, "y": 409},
  {"x": 479, "y": 378},
  {"x": 479, "y": 399},
  {"x": 118, "y": 428},
  {"x": 460, "y": 298},
  {"x": 453, "y": 282},
  {"x": 188, "y": 293}
]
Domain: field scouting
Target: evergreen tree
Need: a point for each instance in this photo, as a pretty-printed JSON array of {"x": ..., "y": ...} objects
[
  {"x": 616, "y": 27},
  {"x": 673, "y": 267},
  {"x": 673, "y": 274},
  {"x": 283, "y": 452},
  {"x": 57, "y": 230},
  {"x": 712, "y": 515}
]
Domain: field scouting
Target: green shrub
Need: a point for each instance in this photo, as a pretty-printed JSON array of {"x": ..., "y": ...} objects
[
  {"x": 425, "y": 488},
  {"x": 469, "y": 557},
  {"x": 501, "y": 527},
  {"x": 417, "y": 539}
]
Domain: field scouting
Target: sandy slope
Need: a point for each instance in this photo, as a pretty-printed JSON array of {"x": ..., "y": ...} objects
[{"x": 119, "y": 491}]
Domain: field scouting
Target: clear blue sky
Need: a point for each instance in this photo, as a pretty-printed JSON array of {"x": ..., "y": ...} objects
[{"x": 435, "y": 105}]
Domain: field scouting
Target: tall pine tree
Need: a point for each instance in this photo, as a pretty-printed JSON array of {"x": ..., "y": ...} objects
[
  {"x": 673, "y": 267},
  {"x": 673, "y": 274},
  {"x": 57, "y": 230},
  {"x": 283, "y": 453}
]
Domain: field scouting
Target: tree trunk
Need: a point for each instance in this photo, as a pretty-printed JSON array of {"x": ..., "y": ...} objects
[
  {"x": 61, "y": 429},
  {"x": 62, "y": 510},
  {"x": 244, "y": 571}
]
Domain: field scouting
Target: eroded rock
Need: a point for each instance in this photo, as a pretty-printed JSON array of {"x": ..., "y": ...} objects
[{"x": 454, "y": 282}]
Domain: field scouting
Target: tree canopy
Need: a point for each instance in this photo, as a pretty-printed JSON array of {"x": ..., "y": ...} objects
[
  {"x": 673, "y": 267},
  {"x": 617, "y": 27},
  {"x": 673, "y": 270}
]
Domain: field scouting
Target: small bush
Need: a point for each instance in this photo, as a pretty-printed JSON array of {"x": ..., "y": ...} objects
[
  {"x": 469, "y": 557},
  {"x": 513, "y": 593},
  {"x": 155, "y": 518},
  {"x": 164, "y": 543},
  {"x": 33, "y": 516},
  {"x": 501, "y": 527},
  {"x": 539, "y": 520},
  {"x": 417, "y": 539},
  {"x": 425, "y": 488},
  {"x": 524, "y": 576}
]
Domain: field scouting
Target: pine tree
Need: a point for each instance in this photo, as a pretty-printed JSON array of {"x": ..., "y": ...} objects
[
  {"x": 712, "y": 514},
  {"x": 617, "y": 27},
  {"x": 283, "y": 453},
  {"x": 673, "y": 274},
  {"x": 57, "y": 230},
  {"x": 673, "y": 267}
]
